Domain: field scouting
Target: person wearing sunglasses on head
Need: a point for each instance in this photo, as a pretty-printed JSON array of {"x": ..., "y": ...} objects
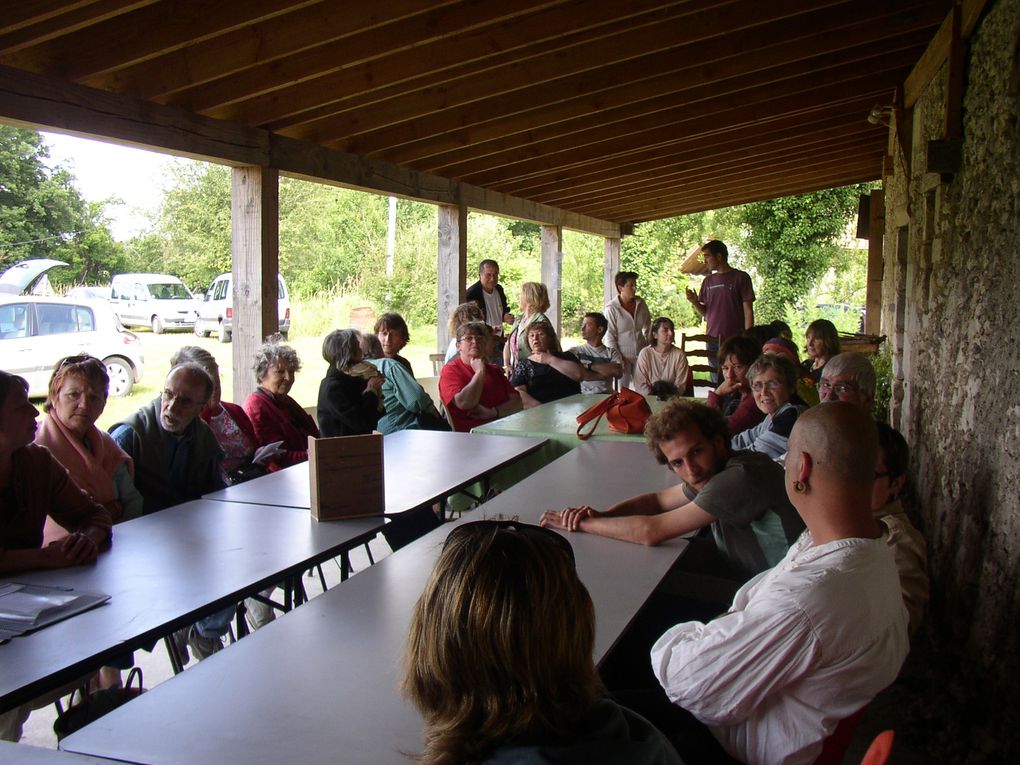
[
  {"x": 473, "y": 391},
  {"x": 773, "y": 382},
  {"x": 499, "y": 658}
]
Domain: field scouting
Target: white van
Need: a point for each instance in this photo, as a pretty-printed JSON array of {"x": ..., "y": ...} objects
[
  {"x": 159, "y": 301},
  {"x": 216, "y": 313}
]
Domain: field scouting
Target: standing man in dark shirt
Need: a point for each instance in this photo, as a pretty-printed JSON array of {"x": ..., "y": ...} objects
[
  {"x": 726, "y": 298},
  {"x": 488, "y": 293}
]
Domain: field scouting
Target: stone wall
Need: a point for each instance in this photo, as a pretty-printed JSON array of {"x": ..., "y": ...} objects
[{"x": 951, "y": 305}]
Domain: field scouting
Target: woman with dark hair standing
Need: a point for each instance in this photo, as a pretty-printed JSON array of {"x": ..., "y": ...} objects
[
  {"x": 822, "y": 344},
  {"x": 629, "y": 324},
  {"x": 350, "y": 395},
  {"x": 499, "y": 658}
]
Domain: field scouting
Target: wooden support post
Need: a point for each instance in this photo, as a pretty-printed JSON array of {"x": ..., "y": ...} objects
[
  {"x": 953, "y": 127},
  {"x": 552, "y": 270},
  {"x": 876, "y": 233},
  {"x": 612, "y": 268},
  {"x": 255, "y": 252},
  {"x": 452, "y": 267}
]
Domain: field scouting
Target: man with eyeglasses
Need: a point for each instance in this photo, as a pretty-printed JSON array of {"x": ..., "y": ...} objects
[
  {"x": 848, "y": 377},
  {"x": 176, "y": 455},
  {"x": 739, "y": 495},
  {"x": 177, "y": 458}
]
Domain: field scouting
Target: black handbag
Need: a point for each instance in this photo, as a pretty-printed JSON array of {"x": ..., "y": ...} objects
[{"x": 91, "y": 706}]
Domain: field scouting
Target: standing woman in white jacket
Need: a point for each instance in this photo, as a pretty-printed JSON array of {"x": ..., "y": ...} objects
[{"x": 630, "y": 324}]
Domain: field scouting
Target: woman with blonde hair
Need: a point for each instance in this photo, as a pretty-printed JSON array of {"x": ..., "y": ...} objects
[
  {"x": 462, "y": 314},
  {"x": 499, "y": 657},
  {"x": 534, "y": 304}
]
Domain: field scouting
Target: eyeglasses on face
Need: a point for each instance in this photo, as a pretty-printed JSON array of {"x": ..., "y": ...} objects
[
  {"x": 481, "y": 528},
  {"x": 771, "y": 386},
  {"x": 841, "y": 388},
  {"x": 471, "y": 339}
]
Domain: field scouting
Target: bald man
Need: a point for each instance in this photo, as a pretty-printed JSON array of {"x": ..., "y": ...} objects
[{"x": 812, "y": 640}]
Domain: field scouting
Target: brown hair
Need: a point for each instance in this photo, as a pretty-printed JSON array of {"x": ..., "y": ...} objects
[
  {"x": 87, "y": 367},
  {"x": 678, "y": 415},
  {"x": 546, "y": 329},
  {"x": 500, "y": 645},
  {"x": 462, "y": 314}
]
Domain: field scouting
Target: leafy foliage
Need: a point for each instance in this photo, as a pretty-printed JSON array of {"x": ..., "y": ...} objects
[
  {"x": 791, "y": 242},
  {"x": 42, "y": 215}
]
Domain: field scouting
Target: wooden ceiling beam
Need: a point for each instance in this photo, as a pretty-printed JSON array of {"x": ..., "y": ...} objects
[
  {"x": 789, "y": 98},
  {"x": 142, "y": 34},
  {"x": 625, "y": 103},
  {"x": 40, "y": 102},
  {"x": 729, "y": 199},
  {"x": 431, "y": 70},
  {"x": 769, "y": 52},
  {"x": 747, "y": 141},
  {"x": 30, "y": 22},
  {"x": 707, "y": 171},
  {"x": 672, "y": 45},
  {"x": 809, "y": 173},
  {"x": 264, "y": 42}
]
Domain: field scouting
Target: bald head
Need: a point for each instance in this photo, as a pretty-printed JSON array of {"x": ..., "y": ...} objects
[{"x": 842, "y": 440}]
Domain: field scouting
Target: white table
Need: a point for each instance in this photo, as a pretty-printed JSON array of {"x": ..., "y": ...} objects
[
  {"x": 320, "y": 684},
  {"x": 163, "y": 572},
  {"x": 420, "y": 467}
]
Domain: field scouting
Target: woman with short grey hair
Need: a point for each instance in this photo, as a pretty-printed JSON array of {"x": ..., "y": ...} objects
[
  {"x": 773, "y": 380},
  {"x": 273, "y": 413}
]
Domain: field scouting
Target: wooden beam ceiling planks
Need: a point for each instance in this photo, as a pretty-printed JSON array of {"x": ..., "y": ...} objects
[{"x": 586, "y": 114}]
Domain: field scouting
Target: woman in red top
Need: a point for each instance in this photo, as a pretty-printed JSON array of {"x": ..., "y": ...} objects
[
  {"x": 733, "y": 396},
  {"x": 474, "y": 391}
]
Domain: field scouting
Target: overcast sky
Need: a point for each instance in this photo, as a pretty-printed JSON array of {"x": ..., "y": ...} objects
[{"x": 104, "y": 170}]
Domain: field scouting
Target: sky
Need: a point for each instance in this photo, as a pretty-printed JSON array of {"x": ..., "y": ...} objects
[{"x": 104, "y": 170}]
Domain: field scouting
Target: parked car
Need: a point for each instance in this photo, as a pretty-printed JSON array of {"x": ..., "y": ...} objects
[
  {"x": 36, "y": 332},
  {"x": 159, "y": 301},
  {"x": 22, "y": 276},
  {"x": 216, "y": 313},
  {"x": 89, "y": 293}
]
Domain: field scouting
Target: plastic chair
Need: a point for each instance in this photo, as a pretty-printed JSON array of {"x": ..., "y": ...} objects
[{"x": 880, "y": 749}]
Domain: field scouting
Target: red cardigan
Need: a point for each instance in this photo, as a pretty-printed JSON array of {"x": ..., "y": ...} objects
[{"x": 273, "y": 422}]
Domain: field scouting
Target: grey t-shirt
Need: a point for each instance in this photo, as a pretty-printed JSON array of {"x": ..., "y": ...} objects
[{"x": 755, "y": 522}]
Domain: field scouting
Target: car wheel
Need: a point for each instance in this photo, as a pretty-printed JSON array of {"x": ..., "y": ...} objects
[
  {"x": 224, "y": 335},
  {"x": 157, "y": 325},
  {"x": 122, "y": 377},
  {"x": 201, "y": 332}
]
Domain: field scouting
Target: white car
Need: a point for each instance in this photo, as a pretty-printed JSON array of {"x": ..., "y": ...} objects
[
  {"x": 159, "y": 301},
  {"x": 37, "y": 332},
  {"x": 216, "y": 313}
]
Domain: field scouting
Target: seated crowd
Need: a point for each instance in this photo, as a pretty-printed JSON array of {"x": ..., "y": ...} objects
[{"x": 789, "y": 492}]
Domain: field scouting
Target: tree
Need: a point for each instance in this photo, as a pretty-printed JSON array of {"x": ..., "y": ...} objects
[
  {"x": 42, "y": 215},
  {"x": 792, "y": 242}
]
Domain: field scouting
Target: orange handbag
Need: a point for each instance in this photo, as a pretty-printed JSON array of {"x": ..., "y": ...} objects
[{"x": 626, "y": 412}]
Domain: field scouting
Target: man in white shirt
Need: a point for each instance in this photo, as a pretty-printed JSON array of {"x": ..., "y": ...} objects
[
  {"x": 812, "y": 640},
  {"x": 488, "y": 294},
  {"x": 601, "y": 363}
]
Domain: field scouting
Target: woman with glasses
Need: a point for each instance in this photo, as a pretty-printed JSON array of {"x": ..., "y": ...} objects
[
  {"x": 273, "y": 413},
  {"x": 773, "y": 382},
  {"x": 499, "y": 658},
  {"x": 473, "y": 391},
  {"x": 733, "y": 395}
]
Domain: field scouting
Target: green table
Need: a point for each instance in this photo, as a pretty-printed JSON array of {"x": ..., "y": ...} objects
[{"x": 557, "y": 422}]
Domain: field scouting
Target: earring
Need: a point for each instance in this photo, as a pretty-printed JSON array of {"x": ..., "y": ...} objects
[{"x": 799, "y": 487}]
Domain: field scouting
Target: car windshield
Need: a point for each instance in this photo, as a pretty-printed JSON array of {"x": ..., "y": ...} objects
[{"x": 169, "y": 292}]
